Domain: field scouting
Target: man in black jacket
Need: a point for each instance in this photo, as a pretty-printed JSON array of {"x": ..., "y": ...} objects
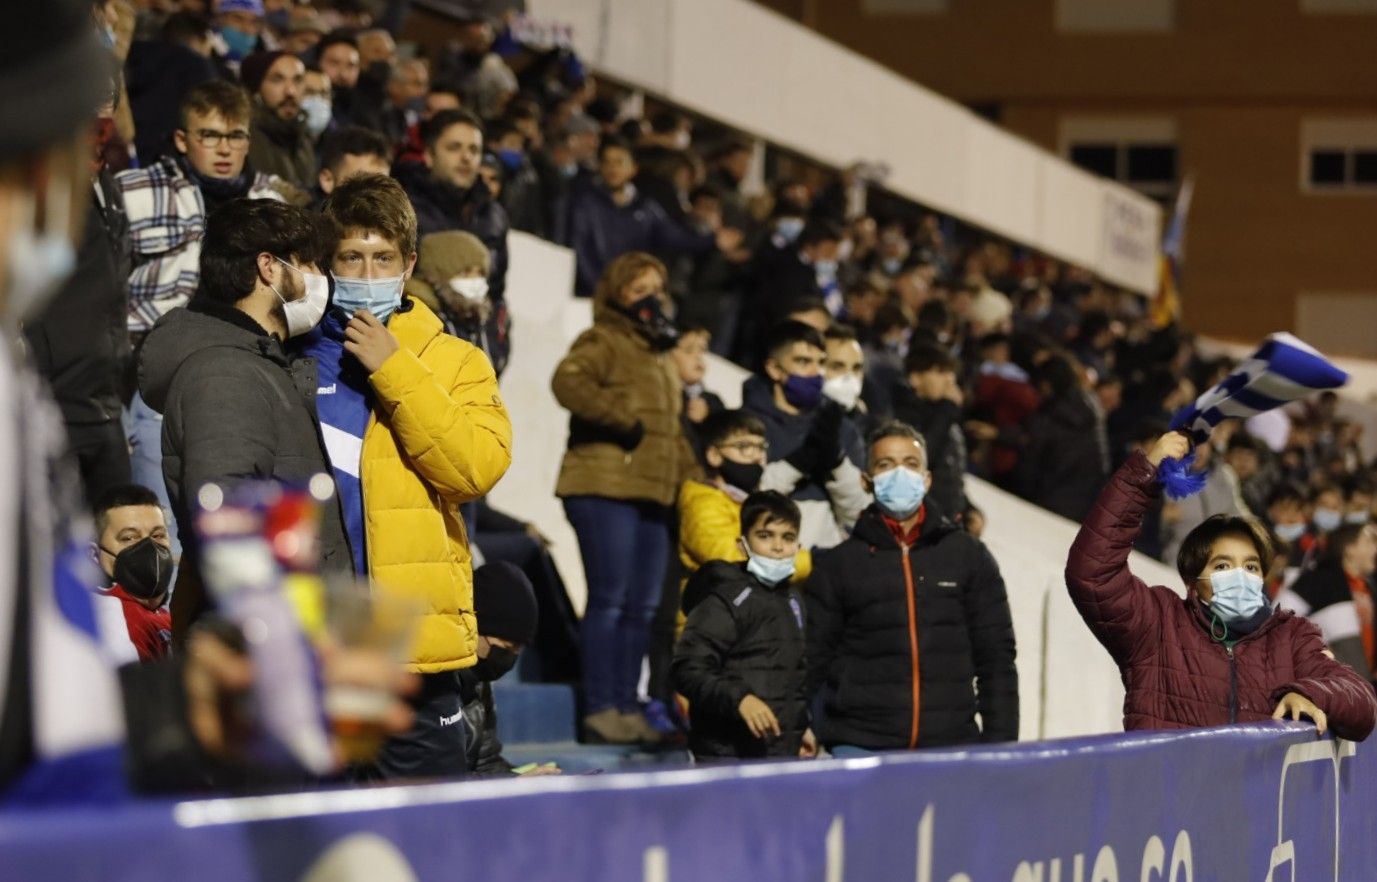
[
  {"x": 505, "y": 604},
  {"x": 740, "y": 662},
  {"x": 909, "y": 630},
  {"x": 930, "y": 401}
]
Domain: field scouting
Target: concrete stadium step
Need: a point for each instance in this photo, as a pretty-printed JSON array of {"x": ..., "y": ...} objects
[
  {"x": 535, "y": 712},
  {"x": 583, "y": 759}
]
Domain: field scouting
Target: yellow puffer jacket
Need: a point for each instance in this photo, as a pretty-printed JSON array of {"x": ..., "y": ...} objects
[
  {"x": 440, "y": 436},
  {"x": 710, "y": 524}
]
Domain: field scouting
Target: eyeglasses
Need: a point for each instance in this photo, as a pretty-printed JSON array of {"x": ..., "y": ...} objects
[
  {"x": 210, "y": 138},
  {"x": 746, "y": 448}
]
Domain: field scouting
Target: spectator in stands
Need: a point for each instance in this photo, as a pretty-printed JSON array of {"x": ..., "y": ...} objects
[
  {"x": 1003, "y": 398},
  {"x": 1221, "y": 654},
  {"x": 348, "y": 153},
  {"x": 741, "y": 661},
  {"x": 135, "y": 554},
  {"x": 815, "y": 450},
  {"x": 1242, "y": 461},
  {"x": 414, "y": 427},
  {"x": 235, "y": 405},
  {"x": 159, "y": 73},
  {"x": 626, "y": 460},
  {"x": 407, "y": 87},
  {"x": 522, "y": 195},
  {"x": 930, "y": 401},
  {"x": 442, "y": 96},
  {"x": 358, "y": 98},
  {"x": 167, "y": 205},
  {"x": 609, "y": 217},
  {"x": 1327, "y": 507},
  {"x": 451, "y": 278},
  {"x": 843, "y": 369},
  {"x": 281, "y": 144},
  {"x": 1336, "y": 597},
  {"x": 690, "y": 363},
  {"x": 304, "y": 31},
  {"x": 78, "y": 340},
  {"x": 785, "y": 274},
  {"x": 885, "y": 348},
  {"x": 338, "y": 58},
  {"x": 317, "y": 104},
  {"x": 734, "y": 450},
  {"x": 239, "y": 24},
  {"x": 1221, "y": 496},
  {"x": 909, "y": 630},
  {"x": 1066, "y": 456},
  {"x": 448, "y": 194},
  {"x": 1358, "y": 495},
  {"x": 505, "y": 606}
]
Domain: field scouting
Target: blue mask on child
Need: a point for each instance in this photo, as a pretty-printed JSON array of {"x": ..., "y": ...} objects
[
  {"x": 379, "y": 296},
  {"x": 770, "y": 571},
  {"x": 803, "y": 392},
  {"x": 900, "y": 491},
  {"x": 1290, "y": 532},
  {"x": 1238, "y": 595},
  {"x": 1328, "y": 519}
]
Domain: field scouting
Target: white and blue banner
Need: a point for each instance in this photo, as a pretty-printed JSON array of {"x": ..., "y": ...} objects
[{"x": 1257, "y": 803}]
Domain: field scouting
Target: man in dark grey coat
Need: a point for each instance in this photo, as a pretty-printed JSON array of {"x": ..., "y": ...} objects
[{"x": 235, "y": 405}]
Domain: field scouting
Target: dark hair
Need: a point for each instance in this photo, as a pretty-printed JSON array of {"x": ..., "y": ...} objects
[
  {"x": 1286, "y": 492},
  {"x": 887, "y": 318},
  {"x": 1060, "y": 375},
  {"x": 819, "y": 231},
  {"x": 840, "y": 331},
  {"x": 665, "y": 121},
  {"x": 926, "y": 357},
  {"x": 499, "y": 129},
  {"x": 185, "y": 27},
  {"x": 352, "y": 141},
  {"x": 785, "y": 334},
  {"x": 772, "y": 506},
  {"x": 216, "y": 96},
  {"x": 808, "y": 304},
  {"x": 993, "y": 339},
  {"x": 689, "y": 326},
  {"x": 718, "y": 427},
  {"x": 705, "y": 191},
  {"x": 435, "y": 127},
  {"x": 1340, "y": 540},
  {"x": 119, "y": 496},
  {"x": 615, "y": 141},
  {"x": 894, "y": 429},
  {"x": 446, "y": 87},
  {"x": 1243, "y": 441},
  {"x": 1196, "y": 548},
  {"x": 1326, "y": 487},
  {"x": 1356, "y": 484},
  {"x": 374, "y": 202},
  {"x": 335, "y": 38},
  {"x": 241, "y": 229},
  {"x": 935, "y": 314}
]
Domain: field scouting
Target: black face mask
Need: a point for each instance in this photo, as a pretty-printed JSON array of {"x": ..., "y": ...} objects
[
  {"x": 498, "y": 663},
  {"x": 144, "y": 569},
  {"x": 649, "y": 315},
  {"x": 743, "y": 476}
]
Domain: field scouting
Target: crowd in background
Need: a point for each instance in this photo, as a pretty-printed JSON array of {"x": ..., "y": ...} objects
[{"x": 872, "y": 328}]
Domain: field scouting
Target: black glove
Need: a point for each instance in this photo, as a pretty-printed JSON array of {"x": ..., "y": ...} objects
[
  {"x": 628, "y": 439},
  {"x": 586, "y": 432},
  {"x": 821, "y": 451}
]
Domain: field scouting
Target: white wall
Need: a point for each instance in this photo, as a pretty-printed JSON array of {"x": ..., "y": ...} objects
[{"x": 742, "y": 64}]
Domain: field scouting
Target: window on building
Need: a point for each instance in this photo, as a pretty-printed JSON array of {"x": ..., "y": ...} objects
[
  {"x": 1339, "y": 155},
  {"x": 1115, "y": 16},
  {"x": 1138, "y": 151}
]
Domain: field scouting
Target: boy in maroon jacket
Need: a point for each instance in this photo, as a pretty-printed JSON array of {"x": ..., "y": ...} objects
[
  {"x": 135, "y": 555},
  {"x": 1221, "y": 654}
]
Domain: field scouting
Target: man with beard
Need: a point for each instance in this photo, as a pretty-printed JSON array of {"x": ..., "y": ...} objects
[{"x": 281, "y": 144}]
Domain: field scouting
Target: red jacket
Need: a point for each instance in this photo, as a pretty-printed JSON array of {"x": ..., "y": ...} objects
[
  {"x": 1175, "y": 674},
  {"x": 150, "y": 630}
]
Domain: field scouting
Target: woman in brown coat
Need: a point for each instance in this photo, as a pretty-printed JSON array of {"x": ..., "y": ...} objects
[{"x": 626, "y": 459}]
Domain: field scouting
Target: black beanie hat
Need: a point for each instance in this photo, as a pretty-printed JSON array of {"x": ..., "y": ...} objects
[
  {"x": 53, "y": 76},
  {"x": 505, "y": 603},
  {"x": 254, "y": 68}
]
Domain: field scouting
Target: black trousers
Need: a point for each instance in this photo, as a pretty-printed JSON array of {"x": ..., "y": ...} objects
[
  {"x": 102, "y": 455},
  {"x": 436, "y": 745}
]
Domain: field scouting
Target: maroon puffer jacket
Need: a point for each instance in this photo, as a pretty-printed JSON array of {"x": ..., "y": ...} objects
[{"x": 1175, "y": 675}]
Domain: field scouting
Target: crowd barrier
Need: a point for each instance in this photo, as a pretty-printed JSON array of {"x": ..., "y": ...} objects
[
  {"x": 740, "y": 63},
  {"x": 1260, "y": 803}
]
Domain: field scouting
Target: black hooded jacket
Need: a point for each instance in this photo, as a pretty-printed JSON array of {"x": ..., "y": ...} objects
[
  {"x": 908, "y": 644},
  {"x": 441, "y": 206},
  {"x": 742, "y": 638}
]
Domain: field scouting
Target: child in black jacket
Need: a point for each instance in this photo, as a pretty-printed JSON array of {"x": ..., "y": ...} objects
[{"x": 741, "y": 661}]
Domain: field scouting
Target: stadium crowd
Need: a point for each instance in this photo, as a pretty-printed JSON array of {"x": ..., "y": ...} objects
[{"x": 294, "y": 262}]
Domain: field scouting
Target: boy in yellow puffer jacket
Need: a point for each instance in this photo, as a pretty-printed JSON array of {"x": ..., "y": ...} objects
[
  {"x": 414, "y": 427},
  {"x": 710, "y": 510}
]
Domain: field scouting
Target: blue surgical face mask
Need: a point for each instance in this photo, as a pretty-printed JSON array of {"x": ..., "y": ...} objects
[
  {"x": 239, "y": 44},
  {"x": 803, "y": 392},
  {"x": 789, "y": 228},
  {"x": 825, "y": 269},
  {"x": 900, "y": 491},
  {"x": 379, "y": 296},
  {"x": 770, "y": 571},
  {"x": 1238, "y": 595},
  {"x": 1290, "y": 532},
  {"x": 1356, "y": 517},
  {"x": 512, "y": 159},
  {"x": 318, "y": 112},
  {"x": 1328, "y": 519}
]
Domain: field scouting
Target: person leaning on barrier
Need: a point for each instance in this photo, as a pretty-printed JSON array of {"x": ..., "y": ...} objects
[{"x": 1221, "y": 654}]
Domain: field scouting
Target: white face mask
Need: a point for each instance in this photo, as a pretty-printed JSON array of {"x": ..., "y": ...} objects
[
  {"x": 40, "y": 260},
  {"x": 474, "y": 290},
  {"x": 304, "y": 314},
  {"x": 845, "y": 390},
  {"x": 318, "y": 112}
]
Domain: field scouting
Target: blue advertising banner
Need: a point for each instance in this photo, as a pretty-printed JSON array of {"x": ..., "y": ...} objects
[{"x": 1262, "y": 803}]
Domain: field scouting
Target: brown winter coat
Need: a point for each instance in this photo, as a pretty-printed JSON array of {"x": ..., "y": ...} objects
[
  {"x": 1175, "y": 674},
  {"x": 626, "y": 440}
]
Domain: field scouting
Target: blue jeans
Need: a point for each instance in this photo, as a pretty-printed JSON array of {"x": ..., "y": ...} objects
[
  {"x": 625, "y": 547},
  {"x": 144, "y": 426}
]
